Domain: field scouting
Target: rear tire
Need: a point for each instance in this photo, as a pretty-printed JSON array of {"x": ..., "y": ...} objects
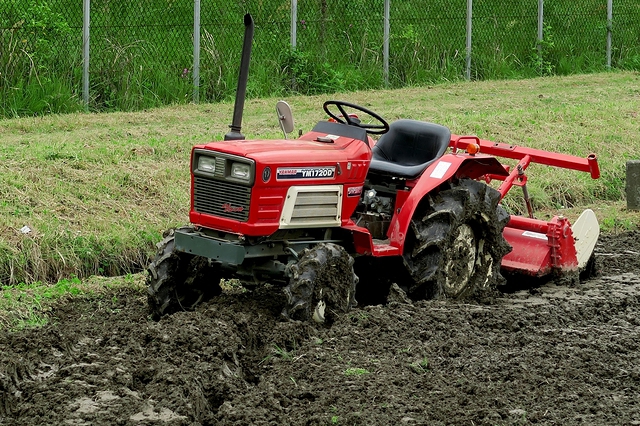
[
  {"x": 322, "y": 284},
  {"x": 179, "y": 281},
  {"x": 455, "y": 248}
]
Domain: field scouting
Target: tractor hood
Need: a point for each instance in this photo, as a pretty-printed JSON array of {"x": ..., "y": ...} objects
[
  {"x": 310, "y": 148},
  {"x": 251, "y": 187}
]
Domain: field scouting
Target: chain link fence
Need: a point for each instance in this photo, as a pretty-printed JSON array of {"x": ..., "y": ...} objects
[{"x": 142, "y": 53}]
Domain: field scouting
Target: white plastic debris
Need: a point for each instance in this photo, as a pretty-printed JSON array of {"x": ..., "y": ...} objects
[{"x": 25, "y": 229}]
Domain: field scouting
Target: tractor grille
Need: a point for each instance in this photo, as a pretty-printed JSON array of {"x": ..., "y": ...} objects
[
  {"x": 315, "y": 207},
  {"x": 312, "y": 206},
  {"x": 219, "y": 198}
]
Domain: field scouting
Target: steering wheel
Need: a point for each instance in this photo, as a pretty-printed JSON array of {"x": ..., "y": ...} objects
[{"x": 374, "y": 129}]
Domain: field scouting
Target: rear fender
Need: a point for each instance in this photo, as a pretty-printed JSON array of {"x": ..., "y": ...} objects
[{"x": 446, "y": 168}]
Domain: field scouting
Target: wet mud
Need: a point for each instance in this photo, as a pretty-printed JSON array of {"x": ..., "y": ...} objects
[{"x": 552, "y": 354}]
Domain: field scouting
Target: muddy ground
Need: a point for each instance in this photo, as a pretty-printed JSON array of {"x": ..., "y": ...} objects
[{"x": 550, "y": 355}]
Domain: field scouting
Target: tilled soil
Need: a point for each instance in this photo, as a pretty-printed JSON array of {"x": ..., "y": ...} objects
[{"x": 551, "y": 354}]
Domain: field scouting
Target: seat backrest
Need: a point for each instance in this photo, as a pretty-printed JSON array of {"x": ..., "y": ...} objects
[{"x": 412, "y": 142}]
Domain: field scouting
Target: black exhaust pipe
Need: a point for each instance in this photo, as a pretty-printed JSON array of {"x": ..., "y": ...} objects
[{"x": 241, "y": 91}]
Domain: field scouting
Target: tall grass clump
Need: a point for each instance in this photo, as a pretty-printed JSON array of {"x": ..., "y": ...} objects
[
  {"x": 144, "y": 54},
  {"x": 39, "y": 53}
]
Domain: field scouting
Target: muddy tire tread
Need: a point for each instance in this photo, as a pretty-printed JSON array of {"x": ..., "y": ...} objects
[
  {"x": 324, "y": 272},
  {"x": 469, "y": 202},
  {"x": 178, "y": 281}
]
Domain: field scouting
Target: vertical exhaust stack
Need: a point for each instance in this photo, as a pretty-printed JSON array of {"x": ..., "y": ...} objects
[{"x": 241, "y": 91}]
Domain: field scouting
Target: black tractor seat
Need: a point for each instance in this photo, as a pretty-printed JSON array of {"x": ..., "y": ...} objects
[{"x": 408, "y": 148}]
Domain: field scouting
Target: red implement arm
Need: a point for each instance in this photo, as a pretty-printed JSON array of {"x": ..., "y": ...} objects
[{"x": 525, "y": 157}]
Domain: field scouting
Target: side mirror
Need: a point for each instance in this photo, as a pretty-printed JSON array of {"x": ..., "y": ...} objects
[{"x": 285, "y": 117}]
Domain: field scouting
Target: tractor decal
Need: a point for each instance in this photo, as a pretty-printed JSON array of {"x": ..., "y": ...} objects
[
  {"x": 355, "y": 191},
  {"x": 440, "y": 169},
  {"x": 305, "y": 173},
  {"x": 232, "y": 209}
]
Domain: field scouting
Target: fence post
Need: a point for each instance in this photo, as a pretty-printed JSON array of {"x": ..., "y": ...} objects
[
  {"x": 294, "y": 23},
  {"x": 632, "y": 186},
  {"x": 196, "y": 51},
  {"x": 609, "y": 30},
  {"x": 540, "y": 26},
  {"x": 86, "y": 18},
  {"x": 385, "y": 45},
  {"x": 469, "y": 23}
]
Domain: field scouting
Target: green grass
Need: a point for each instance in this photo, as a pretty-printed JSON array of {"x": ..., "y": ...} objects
[
  {"x": 421, "y": 366},
  {"x": 98, "y": 190},
  {"x": 353, "y": 371},
  {"x": 30, "y": 305},
  {"x": 283, "y": 353}
]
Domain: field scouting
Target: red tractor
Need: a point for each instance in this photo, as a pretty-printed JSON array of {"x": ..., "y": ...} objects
[{"x": 414, "y": 207}]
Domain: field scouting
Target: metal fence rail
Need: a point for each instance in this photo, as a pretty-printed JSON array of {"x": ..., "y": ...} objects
[{"x": 147, "y": 49}]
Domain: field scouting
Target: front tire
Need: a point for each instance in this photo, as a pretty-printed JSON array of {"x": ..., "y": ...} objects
[
  {"x": 455, "y": 247},
  {"x": 322, "y": 284},
  {"x": 179, "y": 281}
]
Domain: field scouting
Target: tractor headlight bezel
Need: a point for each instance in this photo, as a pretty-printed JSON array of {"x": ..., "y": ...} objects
[
  {"x": 240, "y": 171},
  {"x": 224, "y": 167},
  {"x": 206, "y": 164}
]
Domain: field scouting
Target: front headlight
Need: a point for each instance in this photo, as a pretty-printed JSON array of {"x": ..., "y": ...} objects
[
  {"x": 206, "y": 164},
  {"x": 241, "y": 171}
]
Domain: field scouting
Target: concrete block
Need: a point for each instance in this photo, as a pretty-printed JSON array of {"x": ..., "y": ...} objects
[{"x": 633, "y": 185}]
